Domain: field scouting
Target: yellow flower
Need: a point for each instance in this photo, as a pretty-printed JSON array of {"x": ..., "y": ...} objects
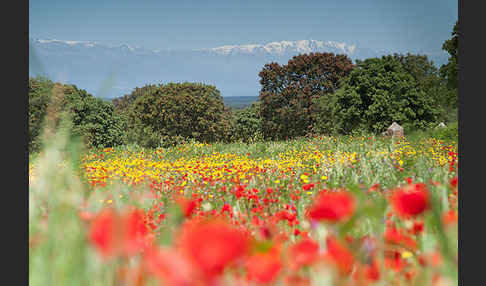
[
  {"x": 324, "y": 178},
  {"x": 109, "y": 201},
  {"x": 277, "y": 182},
  {"x": 303, "y": 177},
  {"x": 406, "y": 254}
]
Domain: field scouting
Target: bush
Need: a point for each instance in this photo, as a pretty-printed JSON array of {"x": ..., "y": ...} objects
[
  {"x": 379, "y": 91},
  {"x": 247, "y": 125},
  {"x": 92, "y": 118},
  {"x": 288, "y": 92},
  {"x": 167, "y": 113},
  {"x": 95, "y": 121},
  {"x": 449, "y": 133}
]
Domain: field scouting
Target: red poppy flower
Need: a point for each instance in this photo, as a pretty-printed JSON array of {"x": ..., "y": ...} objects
[
  {"x": 340, "y": 255},
  {"x": 372, "y": 271},
  {"x": 393, "y": 260},
  {"x": 333, "y": 207},
  {"x": 263, "y": 268},
  {"x": 307, "y": 187},
  {"x": 454, "y": 182},
  {"x": 169, "y": 266},
  {"x": 212, "y": 245},
  {"x": 411, "y": 200},
  {"x": 449, "y": 218},
  {"x": 135, "y": 232},
  {"x": 187, "y": 206},
  {"x": 296, "y": 280},
  {"x": 103, "y": 233},
  {"x": 395, "y": 236},
  {"x": 418, "y": 227},
  {"x": 304, "y": 252}
]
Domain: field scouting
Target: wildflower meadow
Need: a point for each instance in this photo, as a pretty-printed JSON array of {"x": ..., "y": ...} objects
[{"x": 344, "y": 210}]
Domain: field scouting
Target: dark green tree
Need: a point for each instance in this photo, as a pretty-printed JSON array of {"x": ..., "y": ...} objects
[
  {"x": 95, "y": 120},
  {"x": 176, "y": 111},
  {"x": 430, "y": 81},
  {"x": 379, "y": 91},
  {"x": 247, "y": 125},
  {"x": 449, "y": 70},
  {"x": 123, "y": 103},
  {"x": 40, "y": 90},
  {"x": 92, "y": 118},
  {"x": 288, "y": 92}
]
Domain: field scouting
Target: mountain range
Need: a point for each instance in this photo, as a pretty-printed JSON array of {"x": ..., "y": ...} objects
[{"x": 110, "y": 71}]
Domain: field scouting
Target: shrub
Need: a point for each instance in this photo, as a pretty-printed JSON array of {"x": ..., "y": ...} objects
[
  {"x": 92, "y": 118},
  {"x": 379, "y": 91},
  {"x": 167, "y": 113},
  {"x": 288, "y": 91},
  {"x": 247, "y": 126},
  {"x": 95, "y": 120},
  {"x": 449, "y": 133}
]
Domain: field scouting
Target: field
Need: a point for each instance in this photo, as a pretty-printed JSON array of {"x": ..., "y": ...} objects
[{"x": 314, "y": 211}]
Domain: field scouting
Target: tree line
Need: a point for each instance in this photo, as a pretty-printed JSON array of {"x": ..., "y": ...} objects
[{"x": 316, "y": 93}]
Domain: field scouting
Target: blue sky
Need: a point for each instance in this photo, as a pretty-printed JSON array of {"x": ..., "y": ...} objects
[{"x": 390, "y": 25}]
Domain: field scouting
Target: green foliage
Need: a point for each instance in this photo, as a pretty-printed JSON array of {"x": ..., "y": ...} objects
[
  {"x": 380, "y": 91},
  {"x": 123, "y": 103},
  {"x": 39, "y": 95},
  {"x": 288, "y": 92},
  {"x": 449, "y": 70},
  {"x": 449, "y": 75},
  {"x": 247, "y": 125},
  {"x": 449, "y": 134},
  {"x": 166, "y": 114},
  {"x": 325, "y": 115},
  {"x": 93, "y": 119}
]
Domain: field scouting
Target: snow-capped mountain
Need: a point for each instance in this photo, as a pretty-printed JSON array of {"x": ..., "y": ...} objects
[
  {"x": 283, "y": 47},
  {"x": 114, "y": 70}
]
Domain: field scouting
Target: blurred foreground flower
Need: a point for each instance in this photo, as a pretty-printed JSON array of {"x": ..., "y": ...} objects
[{"x": 333, "y": 206}]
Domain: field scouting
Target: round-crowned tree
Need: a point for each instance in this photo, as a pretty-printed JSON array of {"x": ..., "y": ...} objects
[
  {"x": 379, "y": 91},
  {"x": 122, "y": 104},
  {"x": 167, "y": 113},
  {"x": 288, "y": 92}
]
